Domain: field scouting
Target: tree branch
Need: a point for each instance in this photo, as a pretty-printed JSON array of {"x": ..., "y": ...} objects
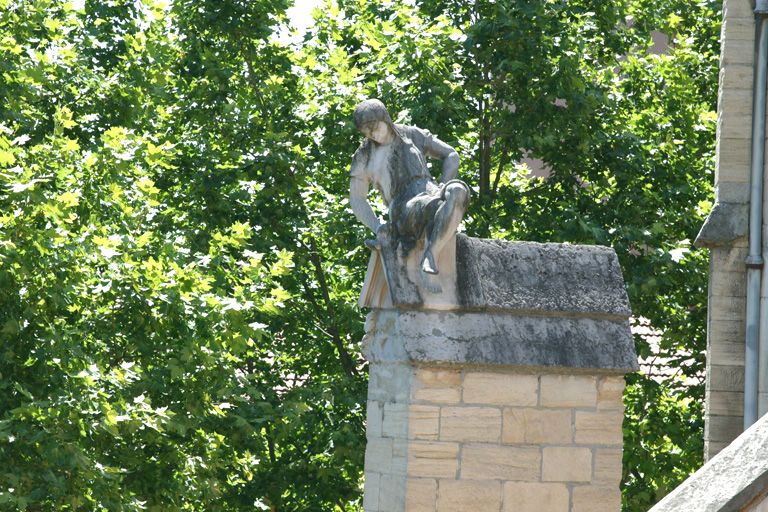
[
  {"x": 503, "y": 161},
  {"x": 345, "y": 358}
]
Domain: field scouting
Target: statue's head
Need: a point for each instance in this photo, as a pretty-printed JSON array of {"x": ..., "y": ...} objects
[{"x": 373, "y": 121}]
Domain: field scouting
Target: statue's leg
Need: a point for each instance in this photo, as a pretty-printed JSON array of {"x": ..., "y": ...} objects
[{"x": 447, "y": 219}]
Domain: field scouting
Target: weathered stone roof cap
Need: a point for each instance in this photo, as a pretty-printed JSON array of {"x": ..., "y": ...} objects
[
  {"x": 724, "y": 224},
  {"x": 729, "y": 480},
  {"x": 491, "y": 339},
  {"x": 540, "y": 279},
  {"x": 521, "y": 304}
]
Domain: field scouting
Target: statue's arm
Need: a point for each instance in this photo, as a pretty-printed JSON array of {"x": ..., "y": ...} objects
[
  {"x": 358, "y": 200},
  {"x": 436, "y": 148},
  {"x": 450, "y": 167}
]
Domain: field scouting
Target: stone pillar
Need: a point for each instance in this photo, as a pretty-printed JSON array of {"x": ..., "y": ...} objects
[
  {"x": 511, "y": 401},
  {"x": 726, "y": 231}
]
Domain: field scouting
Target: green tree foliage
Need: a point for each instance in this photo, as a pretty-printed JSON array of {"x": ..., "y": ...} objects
[
  {"x": 169, "y": 339},
  {"x": 626, "y": 137},
  {"x": 179, "y": 267}
]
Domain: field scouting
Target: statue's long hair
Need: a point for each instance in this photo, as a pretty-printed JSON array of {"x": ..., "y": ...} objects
[
  {"x": 405, "y": 155},
  {"x": 406, "y": 160},
  {"x": 371, "y": 111}
]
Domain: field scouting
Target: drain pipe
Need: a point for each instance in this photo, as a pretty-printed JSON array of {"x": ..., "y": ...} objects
[
  {"x": 762, "y": 350},
  {"x": 753, "y": 376}
]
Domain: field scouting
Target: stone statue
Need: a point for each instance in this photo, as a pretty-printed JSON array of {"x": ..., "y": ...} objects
[{"x": 392, "y": 159}]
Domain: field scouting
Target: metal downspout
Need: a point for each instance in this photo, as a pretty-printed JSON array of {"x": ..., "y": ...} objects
[
  {"x": 762, "y": 350},
  {"x": 754, "y": 262}
]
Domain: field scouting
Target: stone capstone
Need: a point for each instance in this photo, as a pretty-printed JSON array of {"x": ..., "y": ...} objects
[
  {"x": 519, "y": 304},
  {"x": 729, "y": 481}
]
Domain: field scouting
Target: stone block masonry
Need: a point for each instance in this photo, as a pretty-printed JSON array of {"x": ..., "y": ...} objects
[
  {"x": 725, "y": 231},
  {"x": 488, "y": 448}
]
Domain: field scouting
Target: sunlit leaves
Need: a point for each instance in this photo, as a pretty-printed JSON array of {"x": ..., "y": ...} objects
[
  {"x": 7, "y": 158},
  {"x": 135, "y": 317}
]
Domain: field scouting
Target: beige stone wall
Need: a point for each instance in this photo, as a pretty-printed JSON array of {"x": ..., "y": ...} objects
[
  {"x": 725, "y": 349},
  {"x": 444, "y": 440},
  {"x": 725, "y": 338}
]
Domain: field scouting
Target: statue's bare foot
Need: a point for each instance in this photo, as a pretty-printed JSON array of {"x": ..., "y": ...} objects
[
  {"x": 431, "y": 283},
  {"x": 428, "y": 264}
]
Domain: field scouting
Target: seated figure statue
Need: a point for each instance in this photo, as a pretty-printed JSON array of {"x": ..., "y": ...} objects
[{"x": 392, "y": 159}]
